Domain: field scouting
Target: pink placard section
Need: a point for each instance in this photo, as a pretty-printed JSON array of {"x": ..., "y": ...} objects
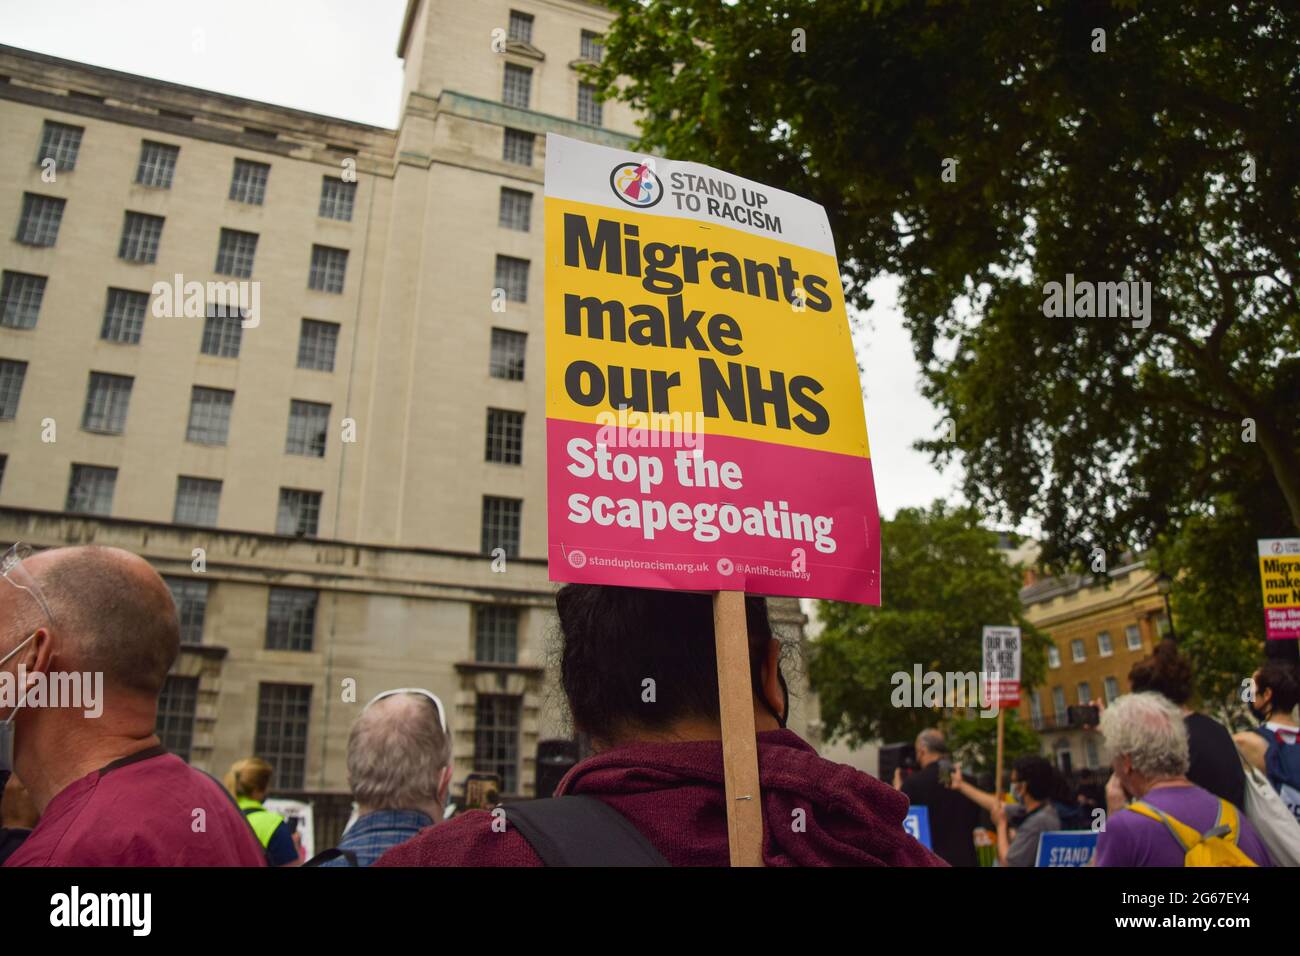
[
  {"x": 721, "y": 514},
  {"x": 1282, "y": 622}
]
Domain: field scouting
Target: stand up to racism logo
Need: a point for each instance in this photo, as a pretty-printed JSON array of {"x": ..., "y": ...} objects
[{"x": 636, "y": 184}]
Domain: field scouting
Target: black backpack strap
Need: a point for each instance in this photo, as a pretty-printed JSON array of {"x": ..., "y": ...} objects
[
  {"x": 333, "y": 853},
  {"x": 581, "y": 831}
]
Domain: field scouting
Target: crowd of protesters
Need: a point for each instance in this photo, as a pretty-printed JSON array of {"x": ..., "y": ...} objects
[
  {"x": 1180, "y": 790},
  {"x": 102, "y": 791}
]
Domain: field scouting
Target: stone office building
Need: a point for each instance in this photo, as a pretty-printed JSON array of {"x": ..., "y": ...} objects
[{"x": 261, "y": 348}]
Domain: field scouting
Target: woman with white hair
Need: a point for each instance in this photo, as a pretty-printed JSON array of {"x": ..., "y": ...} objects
[{"x": 1147, "y": 740}]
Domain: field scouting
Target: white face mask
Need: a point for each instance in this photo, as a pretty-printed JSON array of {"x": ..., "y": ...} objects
[{"x": 7, "y": 728}]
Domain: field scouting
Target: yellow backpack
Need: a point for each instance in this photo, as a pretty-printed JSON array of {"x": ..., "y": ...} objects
[{"x": 1215, "y": 847}]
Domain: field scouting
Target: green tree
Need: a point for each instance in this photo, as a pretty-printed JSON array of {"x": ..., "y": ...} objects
[
  {"x": 974, "y": 742},
  {"x": 1109, "y": 141},
  {"x": 944, "y": 580}
]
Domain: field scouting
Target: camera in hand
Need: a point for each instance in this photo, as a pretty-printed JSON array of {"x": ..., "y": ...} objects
[{"x": 1081, "y": 715}]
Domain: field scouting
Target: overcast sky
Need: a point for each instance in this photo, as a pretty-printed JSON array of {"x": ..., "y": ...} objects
[{"x": 338, "y": 57}]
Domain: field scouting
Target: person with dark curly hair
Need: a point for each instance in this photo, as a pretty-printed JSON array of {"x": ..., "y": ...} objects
[
  {"x": 639, "y": 674},
  {"x": 1214, "y": 763}
]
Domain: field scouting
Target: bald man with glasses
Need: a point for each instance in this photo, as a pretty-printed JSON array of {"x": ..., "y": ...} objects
[{"x": 107, "y": 792}]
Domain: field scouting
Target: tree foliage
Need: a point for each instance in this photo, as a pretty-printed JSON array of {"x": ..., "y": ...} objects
[
  {"x": 1173, "y": 157},
  {"x": 944, "y": 579}
]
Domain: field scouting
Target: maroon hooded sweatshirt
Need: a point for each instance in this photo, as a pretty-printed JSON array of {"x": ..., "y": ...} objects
[{"x": 673, "y": 794}]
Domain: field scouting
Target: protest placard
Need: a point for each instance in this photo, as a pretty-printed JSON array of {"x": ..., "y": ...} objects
[
  {"x": 1279, "y": 576},
  {"x": 705, "y": 428},
  {"x": 1002, "y": 666}
]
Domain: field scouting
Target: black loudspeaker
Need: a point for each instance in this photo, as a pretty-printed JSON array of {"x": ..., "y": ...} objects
[
  {"x": 554, "y": 759},
  {"x": 894, "y": 756}
]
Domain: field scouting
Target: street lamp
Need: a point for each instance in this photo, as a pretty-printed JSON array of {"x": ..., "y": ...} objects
[{"x": 1165, "y": 584}]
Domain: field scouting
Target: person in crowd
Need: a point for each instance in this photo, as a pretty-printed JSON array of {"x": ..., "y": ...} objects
[
  {"x": 399, "y": 769},
  {"x": 953, "y": 818},
  {"x": 1034, "y": 786},
  {"x": 638, "y": 670},
  {"x": 1271, "y": 747},
  {"x": 18, "y": 817},
  {"x": 107, "y": 792},
  {"x": 1214, "y": 765},
  {"x": 1090, "y": 795},
  {"x": 1147, "y": 737},
  {"x": 249, "y": 782}
]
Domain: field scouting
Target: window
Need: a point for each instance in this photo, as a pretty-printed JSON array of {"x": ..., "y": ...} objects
[
  {"x": 500, "y": 526},
  {"x": 327, "y": 268},
  {"x": 518, "y": 147},
  {"x": 235, "y": 253},
  {"x": 177, "y": 704},
  {"x": 1090, "y": 751},
  {"x": 141, "y": 234},
  {"x": 589, "y": 108},
  {"x": 12, "y": 374},
  {"x": 209, "y": 415},
  {"x": 1076, "y": 651},
  {"x": 496, "y": 634},
  {"x": 1111, "y": 689},
  {"x": 308, "y": 424},
  {"x": 299, "y": 512},
  {"x": 197, "y": 500},
  {"x": 336, "y": 198},
  {"x": 4, "y": 461},
  {"x": 1058, "y": 703},
  {"x": 1085, "y": 693},
  {"x": 516, "y": 210},
  {"x": 516, "y": 89},
  {"x": 20, "y": 299},
  {"x": 1104, "y": 648},
  {"x": 1133, "y": 637},
  {"x": 191, "y": 597},
  {"x": 290, "y": 619},
  {"x": 521, "y": 27},
  {"x": 316, "y": 345},
  {"x": 1036, "y": 710},
  {"x": 283, "y": 713},
  {"x": 590, "y": 47},
  {"x": 39, "y": 225},
  {"x": 507, "y": 358},
  {"x": 157, "y": 164},
  {"x": 124, "y": 316},
  {"x": 222, "y": 333},
  {"x": 512, "y": 276},
  {"x": 61, "y": 143},
  {"x": 90, "y": 490},
  {"x": 107, "y": 398},
  {"x": 496, "y": 738},
  {"x": 505, "y": 437},
  {"x": 1053, "y": 656},
  {"x": 248, "y": 184}
]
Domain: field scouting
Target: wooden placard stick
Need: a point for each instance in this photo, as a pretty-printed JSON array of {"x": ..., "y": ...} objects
[
  {"x": 997, "y": 783},
  {"x": 739, "y": 737}
]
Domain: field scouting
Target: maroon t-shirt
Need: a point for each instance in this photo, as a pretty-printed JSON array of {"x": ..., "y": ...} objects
[{"x": 140, "y": 811}]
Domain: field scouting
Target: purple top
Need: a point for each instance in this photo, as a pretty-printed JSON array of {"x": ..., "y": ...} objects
[{"x": 1131, "y": 839}]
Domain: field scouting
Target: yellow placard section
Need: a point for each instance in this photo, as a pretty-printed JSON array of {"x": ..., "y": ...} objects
[{"x": 793, "y": 365}]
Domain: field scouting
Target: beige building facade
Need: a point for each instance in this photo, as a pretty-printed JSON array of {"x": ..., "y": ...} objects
[
  {"x": 1099, "y": 626},
  {"x": 343, "y": 479}
]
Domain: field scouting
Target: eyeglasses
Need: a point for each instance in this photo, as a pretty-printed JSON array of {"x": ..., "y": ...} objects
[
  {"x": 442, "y": 714},
  {"x": 13, "y": 571}
]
